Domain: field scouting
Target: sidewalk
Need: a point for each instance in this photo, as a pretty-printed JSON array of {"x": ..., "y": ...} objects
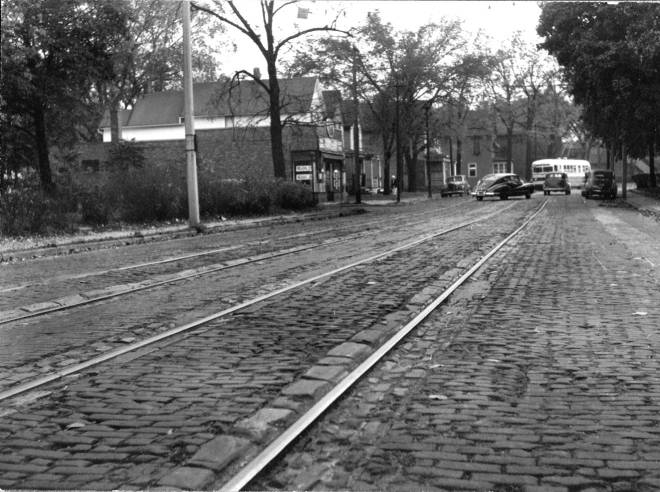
[{"x": 644, "y": 201}]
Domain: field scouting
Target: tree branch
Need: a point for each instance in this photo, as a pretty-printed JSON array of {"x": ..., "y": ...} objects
[{"x": 245, "y": 29}]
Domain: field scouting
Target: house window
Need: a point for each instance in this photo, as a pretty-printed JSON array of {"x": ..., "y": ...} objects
[
  {"x": 500, "y": 167},
  {"x": 182, "y": 120},
  {"x": 472, "y": 169},
  {"x": 476, "y": 145}
]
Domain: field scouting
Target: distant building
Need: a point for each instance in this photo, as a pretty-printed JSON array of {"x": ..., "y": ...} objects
[{"x": 232, "y": 129}]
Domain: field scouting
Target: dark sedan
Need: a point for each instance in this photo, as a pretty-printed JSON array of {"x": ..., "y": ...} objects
[
  {"x": 502, "y": 186},
  {"x": 600, "y": 183}
]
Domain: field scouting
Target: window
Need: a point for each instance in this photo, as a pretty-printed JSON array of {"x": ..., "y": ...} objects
[
  {"x": 499, "y": 167},
  {"x": 476, "y": 145},
  {"x": 472, "y": 169}
]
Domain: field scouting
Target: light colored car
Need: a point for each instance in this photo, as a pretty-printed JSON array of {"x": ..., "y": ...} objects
[{"x": 456, "y": 185}]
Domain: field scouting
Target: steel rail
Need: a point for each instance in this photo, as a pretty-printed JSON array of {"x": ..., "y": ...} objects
[
  {"x": 212, "y": 269},
  {"x": 172, "y": 259},
  {"x": 35, "y": 383},
  {"x": 265, "y": 457}
]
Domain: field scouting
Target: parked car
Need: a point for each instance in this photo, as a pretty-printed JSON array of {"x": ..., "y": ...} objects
[
  {"x": 456, "y": 185},
  {"x": 556, "y": 182},
  {"x": 502, "y": 186},
  {"x": 600, "y": 183}
]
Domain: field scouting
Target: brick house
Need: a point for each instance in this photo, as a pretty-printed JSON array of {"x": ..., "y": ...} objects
[{"x": 233, "y": 134}]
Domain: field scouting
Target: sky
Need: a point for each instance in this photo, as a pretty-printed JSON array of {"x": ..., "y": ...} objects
[{"x": 497, "y": 19}]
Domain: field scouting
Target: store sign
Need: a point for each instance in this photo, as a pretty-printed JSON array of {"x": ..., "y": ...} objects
[
  {"x": 303, "y": 177},
  {"x": 330, "y": 144},
  {"x": 303, "y": 169}
]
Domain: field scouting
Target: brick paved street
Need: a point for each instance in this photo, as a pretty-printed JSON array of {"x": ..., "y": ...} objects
[
  {"x": 149, "y": 421},
  {"x": 540, "y": 374},
  {"x": 544, "y": 374}
]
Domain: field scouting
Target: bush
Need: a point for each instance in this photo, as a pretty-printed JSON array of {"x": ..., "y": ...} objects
[
  {"x": 293, "y": 196},
  {"x": 149, "y": 195},
  {"x": 642, "y": 180},
  {"x": 252, "y": 196},
  {"x": 28, "y": 210},
  {"x": 140, "y": 195}
]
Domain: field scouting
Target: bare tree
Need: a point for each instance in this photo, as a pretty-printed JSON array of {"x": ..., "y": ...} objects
[{"x": 263, "y": 37}]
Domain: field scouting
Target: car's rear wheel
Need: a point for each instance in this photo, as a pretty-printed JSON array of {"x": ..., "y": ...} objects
[
  {"x": 528, "y": 195},
  {"x": 479, "y": 198}
]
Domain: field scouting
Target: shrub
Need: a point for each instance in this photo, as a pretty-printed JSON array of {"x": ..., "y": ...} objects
[
  {"x": 293, "y": 196},
  {"x": 125, "y": 155},
  {"x": 642, "y": 180},
  {"x": 28, "y": 210},
  {"x": 149, "y": 194}
]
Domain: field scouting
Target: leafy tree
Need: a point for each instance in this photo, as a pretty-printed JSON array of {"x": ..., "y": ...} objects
[
  {"x": 52, "y": 53},
  {"x": 233, "y": 14},
  {"x": 611, "y": 59},
  {"x": 149, "y": 55},
  {"x": 396, "y": 69},
  {"x": 468, "y": 86}
]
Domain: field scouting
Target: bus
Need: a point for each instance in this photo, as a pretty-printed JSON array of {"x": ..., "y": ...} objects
[{"x": 575, "y": 169}]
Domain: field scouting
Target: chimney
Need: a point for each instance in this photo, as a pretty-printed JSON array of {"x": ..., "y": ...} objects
[{"x": 257, "y": 73}]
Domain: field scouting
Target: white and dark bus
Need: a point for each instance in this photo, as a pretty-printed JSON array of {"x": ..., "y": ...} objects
[{"x": 575, "y": 169}]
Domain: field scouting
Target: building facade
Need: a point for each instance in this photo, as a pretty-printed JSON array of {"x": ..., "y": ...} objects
[{"x": 232, "y": 128}]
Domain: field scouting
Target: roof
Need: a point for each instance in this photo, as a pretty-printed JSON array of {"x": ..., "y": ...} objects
[{"x": 219, "y": 99}]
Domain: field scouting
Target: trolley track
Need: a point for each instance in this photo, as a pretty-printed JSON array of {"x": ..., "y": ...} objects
[
  {"x": 271, "y": 381},
  {"x": 127, "y": 279},
  {"x": 125, "y": 343}
]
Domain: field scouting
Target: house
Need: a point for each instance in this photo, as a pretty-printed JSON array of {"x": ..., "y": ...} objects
[{"x": 232, "y": 128}]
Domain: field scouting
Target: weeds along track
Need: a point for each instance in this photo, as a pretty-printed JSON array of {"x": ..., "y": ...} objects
[
  {"x": 222, "y": 395},
  {"x": 182, "y": 234},
  {"x": 31, "y": 290},
  {"x": 113, "y": 240}
]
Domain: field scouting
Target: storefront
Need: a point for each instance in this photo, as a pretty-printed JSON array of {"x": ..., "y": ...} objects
[{"x": 323, "y": 172}]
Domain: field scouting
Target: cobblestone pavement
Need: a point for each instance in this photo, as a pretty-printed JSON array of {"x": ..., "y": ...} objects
[
  {"x": 542, "y": 374},
  {"x": 36, "y": 346},
  {"x": 34, "y": 285},
  {"x": 176, "y": 414}
]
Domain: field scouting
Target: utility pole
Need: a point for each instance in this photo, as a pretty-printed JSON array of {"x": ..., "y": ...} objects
[
  {"x": 356, "y": 133},
  {"x": 191, "y": 158},
  {"x": 428, "y": 150}
]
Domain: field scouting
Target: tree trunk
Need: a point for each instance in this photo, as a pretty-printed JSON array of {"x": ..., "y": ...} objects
[
  {"x": 652, "y": 179},
  {"x": 411, "y": 162},
  {"x": 459, "y": 154},
  {"x": 115, "y": 124},
  {"x": 387, "y": 175},
  {"x": 528, "y": 157},
  {"x": 277, "y": 149},
  {"x": 41, "y": 141},
  {"x": 624, "y": 172},
  {"x": 509, "y": 148},
  {"x": 451, "y": 157}
]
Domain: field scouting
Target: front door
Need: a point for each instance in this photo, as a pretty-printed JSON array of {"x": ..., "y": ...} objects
[{"x": 333, "y": 179}]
